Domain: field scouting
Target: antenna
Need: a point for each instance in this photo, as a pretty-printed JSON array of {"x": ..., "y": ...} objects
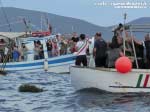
[
  {"x": 124, "y": 47},
  {"x": 125, "y": 17},
  {"x": 41, "y": 23}
]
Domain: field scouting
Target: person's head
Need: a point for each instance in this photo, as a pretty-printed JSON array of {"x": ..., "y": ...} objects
[
  {"x": 49, "y": 41},
  {"x": 54, "y": 40},
  {"x": 58, "y": 36},
  {"x": 23, "y": 45},
  {"x": 120, "y": 27},
  {"x": 98, "y": 35},
  {"x": 38, "y": 42},
  {"x": 76, "y": 39},
  {"x": 82, "y": 36},
  {"x": 2, "y": 40}
]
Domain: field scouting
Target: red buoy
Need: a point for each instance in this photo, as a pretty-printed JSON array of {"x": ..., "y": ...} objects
[{"x": 123, "y": 64}]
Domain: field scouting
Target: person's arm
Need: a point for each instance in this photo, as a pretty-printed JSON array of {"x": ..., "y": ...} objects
[
  {"x": 136, "y": 41},
  {"x": 94, "y": 52},
  {"x": 87, "y": 50},
  {"x": 121, "y": 54},
  {"x": 94, "y": 49}
]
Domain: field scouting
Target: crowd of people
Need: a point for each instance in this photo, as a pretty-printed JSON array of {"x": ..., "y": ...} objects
[
  {"x": 13, "y": 54},
  {"x": 55, "y": 47},
  {"x": 101, "y": 53},
  {"x": 104, "y": 54}
]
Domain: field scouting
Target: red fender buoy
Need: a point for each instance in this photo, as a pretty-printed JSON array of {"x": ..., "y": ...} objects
[{"x": 123, "y": 64}]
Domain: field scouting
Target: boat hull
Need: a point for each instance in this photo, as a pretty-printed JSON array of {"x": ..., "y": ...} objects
[
  {"x": 110, "y": 80},
  {"x": 58, "y": 64}
]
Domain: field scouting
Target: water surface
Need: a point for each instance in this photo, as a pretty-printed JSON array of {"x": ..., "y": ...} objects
[{"x": 60, "y": 96}]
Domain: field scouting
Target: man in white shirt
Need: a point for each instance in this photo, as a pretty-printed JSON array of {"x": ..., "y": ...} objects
[{"x": 81, "y": 48}]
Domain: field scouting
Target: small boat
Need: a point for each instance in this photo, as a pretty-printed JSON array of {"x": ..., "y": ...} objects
[
  {"x": 58, "y": 64},
  {"x": 106, "y": 79}
]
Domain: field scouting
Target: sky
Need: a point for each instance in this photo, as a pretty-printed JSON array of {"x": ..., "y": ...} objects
[{"x": 89, "y": 10}]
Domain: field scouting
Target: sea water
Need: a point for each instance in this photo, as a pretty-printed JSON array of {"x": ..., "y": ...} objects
[{"x": 60, "y": 96}]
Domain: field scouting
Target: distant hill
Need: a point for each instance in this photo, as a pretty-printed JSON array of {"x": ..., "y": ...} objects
[
  {"x": 60, "y": 24},
  {"x": 142, "y": 20}
]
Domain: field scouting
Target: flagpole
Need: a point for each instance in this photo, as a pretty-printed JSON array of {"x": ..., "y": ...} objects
[
  {"x": 41, "y": 23},
  {"x": 124, "y": 38}
]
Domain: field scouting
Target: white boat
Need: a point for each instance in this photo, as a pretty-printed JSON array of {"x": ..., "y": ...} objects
[
  {"x": 105, "y": 79},
  {"x": 59, "y": 64},
  {"x": 110, "y": 80}
]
